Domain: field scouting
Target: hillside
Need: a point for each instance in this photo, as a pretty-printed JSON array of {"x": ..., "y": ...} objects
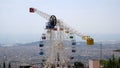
[{"x": 29, "y": 52}]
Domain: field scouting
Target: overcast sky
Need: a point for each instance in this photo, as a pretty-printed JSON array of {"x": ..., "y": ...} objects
[{"x": 92, "y": 17}]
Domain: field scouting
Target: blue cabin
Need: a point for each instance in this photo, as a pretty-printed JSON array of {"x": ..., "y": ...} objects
[
  {"x": 73, "y": 50},
  {"x": 73, "y": 43},
  {"x": 43, "y": 37},
  {"x": 41, "y": 53},
  {"x": 41, "y": 45}
]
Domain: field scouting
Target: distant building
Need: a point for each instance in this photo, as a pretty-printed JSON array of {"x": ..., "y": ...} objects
[
  {"x": 25, "y": 66},
  {"x": 94, "y": 64}
]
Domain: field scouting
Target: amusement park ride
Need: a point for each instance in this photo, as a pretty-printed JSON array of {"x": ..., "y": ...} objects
[{"x": 56, "y": 30}]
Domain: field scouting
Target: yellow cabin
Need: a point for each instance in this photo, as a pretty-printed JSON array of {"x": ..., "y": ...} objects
[
  {"x": 66, "y": 31},
  {"x": 90, "y": 41},
  {"x": 85, "y": 37}
]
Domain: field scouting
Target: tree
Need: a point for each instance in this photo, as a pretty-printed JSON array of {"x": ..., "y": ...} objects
[
  {"x": 103, "y": 63},
  {"x": 119, "y": 60},
  {"x": 111, "y": 62},
  {"x": 118, "y": 63},
  {"x": 3, "y": 64},
  {"x": 9, "y": 66},
  {"x": 78, "y": 65}
]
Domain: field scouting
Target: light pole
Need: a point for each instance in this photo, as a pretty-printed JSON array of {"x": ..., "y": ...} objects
[
  {"x": 101, "y": 47},
  {"x": 101, "y": 51},
  {"x": 4, "y": 63}
]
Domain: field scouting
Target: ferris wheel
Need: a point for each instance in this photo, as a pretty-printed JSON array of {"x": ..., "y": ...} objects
[{"x": 57, "y": 34}]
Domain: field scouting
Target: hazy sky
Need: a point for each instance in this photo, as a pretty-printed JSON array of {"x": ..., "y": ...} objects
[{"x": 92, "y": 17}]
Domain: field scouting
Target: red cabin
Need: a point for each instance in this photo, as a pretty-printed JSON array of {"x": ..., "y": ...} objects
[
  {"x": 55, "y": 29},
  {"x": 71, "y": 58},
  {"x": 61, "y": 29},
  {"x": 32, "y": 10}
]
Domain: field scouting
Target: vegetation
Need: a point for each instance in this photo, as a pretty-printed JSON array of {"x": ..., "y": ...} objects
[
  {"x": 9, "y": 66},
  {"x": 78, "y": 65},
  {"x": 118, "y": 50},
  {"x": 111, "y": 62}
]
